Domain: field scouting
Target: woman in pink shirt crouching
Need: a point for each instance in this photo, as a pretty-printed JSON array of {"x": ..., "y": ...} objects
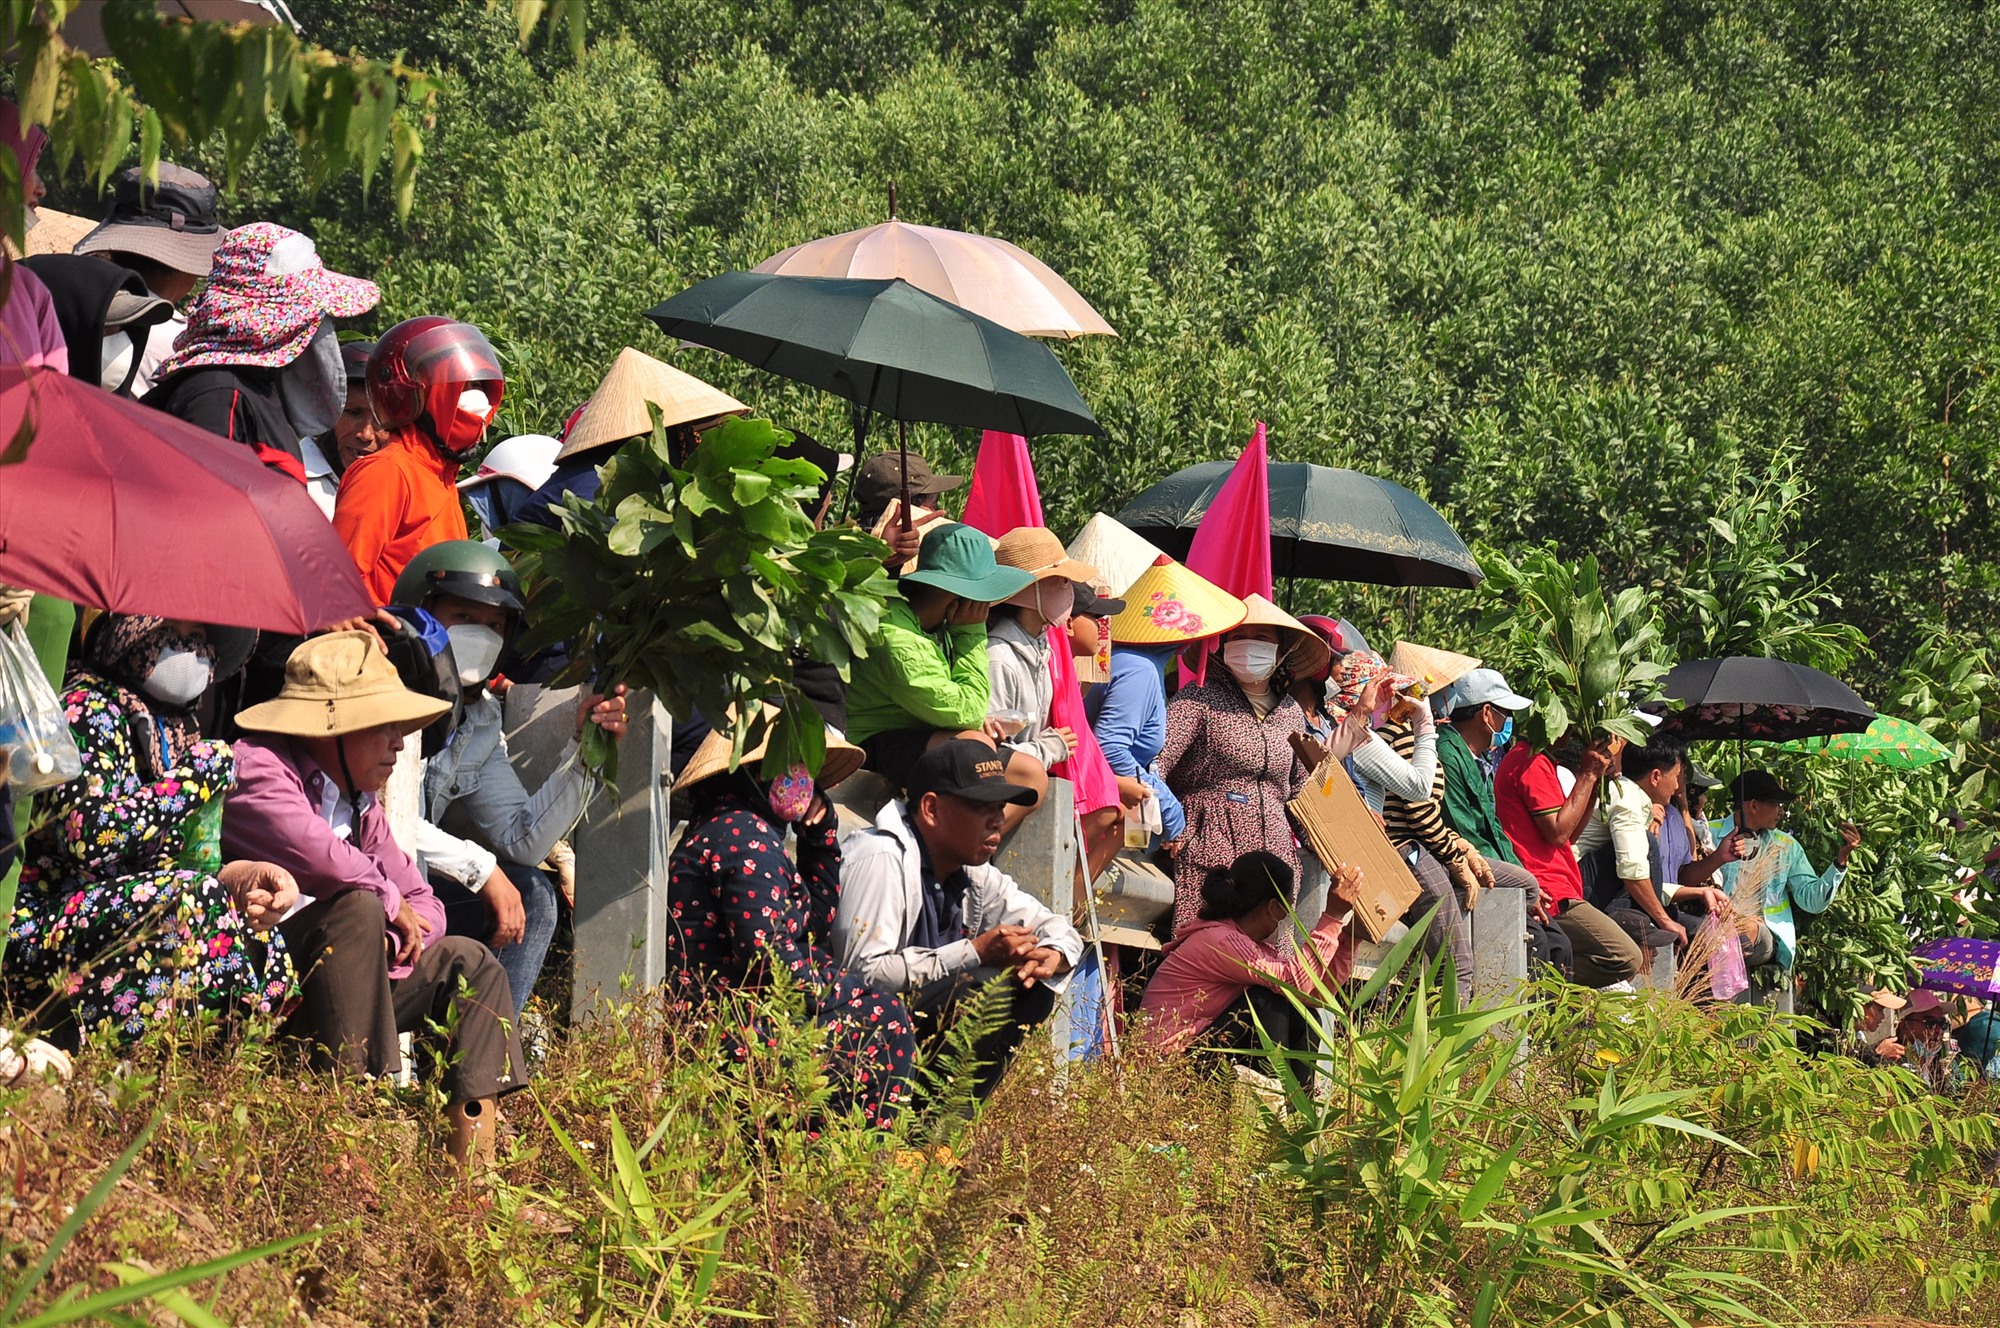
[{"x": 1221, "y": 974}]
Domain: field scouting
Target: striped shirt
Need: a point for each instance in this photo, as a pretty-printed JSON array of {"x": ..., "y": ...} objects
[{"x": 1421, "y": 823}]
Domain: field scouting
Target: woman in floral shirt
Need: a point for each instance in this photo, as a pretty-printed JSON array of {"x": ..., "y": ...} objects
[
  {"x": 125, "y": 915},
  {"x": 742, "y": 910}
]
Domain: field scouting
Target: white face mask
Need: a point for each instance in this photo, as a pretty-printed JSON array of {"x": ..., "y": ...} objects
[
  {"x": 1250, "y": 661},
  {"x": 476, "y": 649},
  {"x": 179, "y": 677}
]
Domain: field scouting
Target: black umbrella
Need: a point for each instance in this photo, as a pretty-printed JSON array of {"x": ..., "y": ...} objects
[
  {"x": 1335, "y": 525},
  {"x": 884, "y": 345},
  {"x": 1762, "y": 700}
]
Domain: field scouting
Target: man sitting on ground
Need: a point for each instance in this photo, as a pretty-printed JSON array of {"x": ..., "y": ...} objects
[
  {"x": 1765, "y": 872},
  {"x": 923, "y": 913},
  {"x": 368, "y": 939}
]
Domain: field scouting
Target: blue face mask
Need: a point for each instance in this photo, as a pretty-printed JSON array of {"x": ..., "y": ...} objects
[{"x": 1505, "y": 736}]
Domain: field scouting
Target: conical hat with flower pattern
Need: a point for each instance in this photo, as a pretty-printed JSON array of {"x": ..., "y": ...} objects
[{"x": 1170, "y": 604}]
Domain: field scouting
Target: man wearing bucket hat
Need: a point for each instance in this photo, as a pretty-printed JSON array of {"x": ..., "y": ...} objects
[
  {"x": 166, "y": 231},
  {"x": 259, "y": 361},
  {"x": 926, "y": 679},
  {"x": 368, "y": 940},
  {"x": 1874, "y": 1038},
  {"x": 925, "y": 915}
]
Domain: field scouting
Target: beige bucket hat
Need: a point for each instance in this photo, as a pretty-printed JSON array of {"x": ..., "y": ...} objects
[
  {"x": 341, "y": 683},
  {"x": 843, "y": 758},
  {"x": 617, "y": 409}
]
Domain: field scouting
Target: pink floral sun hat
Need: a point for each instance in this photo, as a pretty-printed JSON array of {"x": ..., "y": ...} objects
[{"x": 267, "y": 292}]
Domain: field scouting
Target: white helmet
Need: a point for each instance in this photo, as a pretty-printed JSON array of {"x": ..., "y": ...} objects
[{"x": 528, "y": 457}]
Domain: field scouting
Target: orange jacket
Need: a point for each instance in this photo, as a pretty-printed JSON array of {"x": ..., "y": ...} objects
[{"x": 394, "y": 504}]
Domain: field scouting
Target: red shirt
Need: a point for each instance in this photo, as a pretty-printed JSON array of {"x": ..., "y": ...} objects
[
  {"x": 1524, "y": 785},
  {"x": 396, "y": 503}
]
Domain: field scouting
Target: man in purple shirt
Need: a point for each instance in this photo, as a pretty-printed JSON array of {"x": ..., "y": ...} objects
[{"x": 368, "y": 935}]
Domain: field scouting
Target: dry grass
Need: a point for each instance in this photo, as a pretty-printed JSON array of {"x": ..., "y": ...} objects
[{"x": 1078, "y": 1198}]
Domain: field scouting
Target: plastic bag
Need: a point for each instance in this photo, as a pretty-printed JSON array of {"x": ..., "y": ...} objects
[
  {"x": 1727, "y": 977},
  {"x": 37, "y": 750}
]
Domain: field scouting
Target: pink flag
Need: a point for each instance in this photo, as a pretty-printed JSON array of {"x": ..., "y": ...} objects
[
  {"x": 1003, "y": 497},
  {"x": 1232, "y": 546}
]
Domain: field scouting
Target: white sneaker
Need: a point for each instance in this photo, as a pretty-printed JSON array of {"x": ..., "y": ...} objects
[
  {"x": 1624, "y": 988},
  {"x": 35, "y": 1057}
]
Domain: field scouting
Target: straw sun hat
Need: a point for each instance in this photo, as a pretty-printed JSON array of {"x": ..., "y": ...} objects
[
  {"x": 341, "y": 683},
  {"x": 1305, "y": 652},
  {"x": 843, "y": 758},
  {"x": 617, "y": 409},
  {"x": 1169, "y": 604},
  {"x": 1037, "y": 551}
]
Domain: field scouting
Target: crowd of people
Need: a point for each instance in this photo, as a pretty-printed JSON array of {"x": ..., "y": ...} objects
[{"x": 357, "y": 834}]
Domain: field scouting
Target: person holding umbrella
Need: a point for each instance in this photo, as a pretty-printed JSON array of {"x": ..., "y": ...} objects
[
  {"x": 1765, "y": 873},
  {"x": 878, "y": 488}
]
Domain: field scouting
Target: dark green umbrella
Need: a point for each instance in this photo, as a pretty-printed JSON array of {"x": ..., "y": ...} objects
[
  {"x": 884, "y": 345},
  {"x": 1333, "y": 525}
]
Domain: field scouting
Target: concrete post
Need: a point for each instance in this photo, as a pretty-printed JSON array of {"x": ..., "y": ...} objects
[
  {"x": 1041, "y": 857},
  {"x": 1499, "y": 944},
  {"x": 622, "y": 915}
]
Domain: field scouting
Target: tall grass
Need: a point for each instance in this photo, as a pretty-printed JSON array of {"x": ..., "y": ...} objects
[{"x": 1561, "y": 1159}]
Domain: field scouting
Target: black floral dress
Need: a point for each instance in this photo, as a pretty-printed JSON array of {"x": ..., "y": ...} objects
[
  {"x": 105, "y": 921},
  {"x": 741, "y": 907}
]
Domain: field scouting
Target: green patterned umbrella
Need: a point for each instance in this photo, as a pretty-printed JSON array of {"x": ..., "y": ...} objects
[{"x": 1891, "y": 742}]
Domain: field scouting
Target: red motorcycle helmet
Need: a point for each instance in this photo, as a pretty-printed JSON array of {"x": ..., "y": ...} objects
[{"x": 421, "y": 366}]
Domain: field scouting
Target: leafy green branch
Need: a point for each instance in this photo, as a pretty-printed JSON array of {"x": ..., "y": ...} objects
[{"x": 705, "y": 584}]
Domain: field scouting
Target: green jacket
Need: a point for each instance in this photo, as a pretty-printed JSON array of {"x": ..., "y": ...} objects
[
  {"x": 1468, "y": 799},
  {"x": 913, "y": 679}
]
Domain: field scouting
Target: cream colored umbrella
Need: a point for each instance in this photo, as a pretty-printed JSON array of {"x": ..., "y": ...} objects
[{"x": 992, "y": 278}]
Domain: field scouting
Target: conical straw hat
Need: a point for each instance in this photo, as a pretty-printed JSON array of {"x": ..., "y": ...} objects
[
  {"x": 617, "y": 409},
  {"x": 1435, "y": 669},
  {"x": 1305, "y": 653},
  {"x": 1115, "y": 551},
  {"x": 843, "y": 758},
  {"x": 1170, "y": 604}
]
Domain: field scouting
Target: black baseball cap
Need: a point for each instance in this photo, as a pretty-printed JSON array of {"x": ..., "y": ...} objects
[
  {"x": 966, "y": 769},
  {"x": 1760, "y": 786},
  {"x": 1090, "y": 604},
  {"x": 879, "y": 482}
]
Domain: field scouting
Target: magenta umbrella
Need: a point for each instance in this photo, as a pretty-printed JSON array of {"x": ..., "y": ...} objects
[
  {"x": 1962, "y": 964},
  {"x": 121, "y": 507}
]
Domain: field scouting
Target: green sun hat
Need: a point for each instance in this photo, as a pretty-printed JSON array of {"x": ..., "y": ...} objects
[{"x": 958, "y": 560}]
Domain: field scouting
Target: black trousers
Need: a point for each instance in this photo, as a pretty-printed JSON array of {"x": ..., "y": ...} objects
[
  {"x": 351, "y": 1012},
  {"x": 1028, "y": 1008},
  {"x": 1235, "y": 1029}
]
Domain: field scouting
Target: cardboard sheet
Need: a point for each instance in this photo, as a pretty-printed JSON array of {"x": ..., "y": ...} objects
[{"x": 1338, "y": 827}]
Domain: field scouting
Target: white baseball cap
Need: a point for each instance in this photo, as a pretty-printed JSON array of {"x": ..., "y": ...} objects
[{"x": 1483, "y": 687}]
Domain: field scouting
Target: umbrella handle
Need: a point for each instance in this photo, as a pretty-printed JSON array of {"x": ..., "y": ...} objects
[{"x": 903, "y": 441}]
